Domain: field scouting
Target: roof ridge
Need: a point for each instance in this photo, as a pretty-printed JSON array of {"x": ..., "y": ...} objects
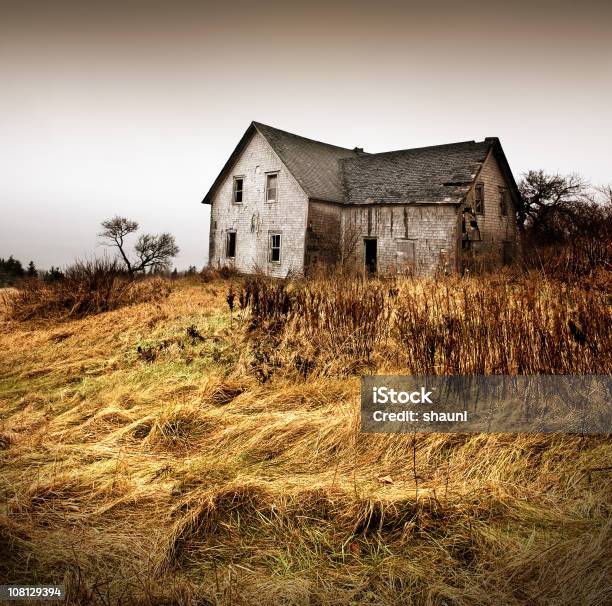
[
  {"x": 286, "y": 132},
  {"x": 399, "y": 151}
]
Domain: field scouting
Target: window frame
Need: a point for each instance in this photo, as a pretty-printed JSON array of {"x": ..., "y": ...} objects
[
  {"x": 274, "y": 173},
  {"x": 228, "y": 234},
  {"x": 235, "y": 189},
  {"x": 481, "y": 188},
  {"x": 271, "y": 248}
]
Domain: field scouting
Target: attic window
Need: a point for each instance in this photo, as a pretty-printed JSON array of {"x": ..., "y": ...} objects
[
  {"x": 479, "y": 199},
  {"x": 238, "y": 189},
  {"x": 503, "y": 201},
  {"x": 271, "y": 187}
]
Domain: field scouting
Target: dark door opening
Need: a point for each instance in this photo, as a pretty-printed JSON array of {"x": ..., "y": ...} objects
[
  {"x": 507, "y": 252},
  {"x": 370, "y": 255}
]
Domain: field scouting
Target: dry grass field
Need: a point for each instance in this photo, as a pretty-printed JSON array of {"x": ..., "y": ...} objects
[{"x": 170, "y": 452}]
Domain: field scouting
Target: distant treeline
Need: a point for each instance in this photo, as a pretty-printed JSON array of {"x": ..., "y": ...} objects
[{"x": 12, "y": 271}]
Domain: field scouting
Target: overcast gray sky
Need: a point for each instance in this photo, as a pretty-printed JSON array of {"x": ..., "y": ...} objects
[{"x": 132, "y": 108}]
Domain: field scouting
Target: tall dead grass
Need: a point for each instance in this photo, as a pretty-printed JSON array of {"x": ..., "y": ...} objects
[
  {"x": 183, "y": 478},
  {"x": 480, "y": 325},
  {"x": 582, "y": 259}
]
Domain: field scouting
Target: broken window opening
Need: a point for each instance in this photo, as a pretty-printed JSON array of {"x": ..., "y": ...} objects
[
  {"x": 469, "y": 226},
  {"x": 479, "y": 199}
]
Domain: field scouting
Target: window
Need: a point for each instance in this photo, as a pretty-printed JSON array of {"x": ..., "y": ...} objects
[
  {"x": 503, "y": 201},
  {"x": 479, "y": 199},
  {"x": 230, "y": 247},
  {"x": 238, "y": 189},
  {"x": 271, "y": 187},
  {"x": 274, "y": 251}
]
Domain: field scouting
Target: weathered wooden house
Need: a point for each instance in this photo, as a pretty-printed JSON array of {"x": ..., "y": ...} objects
[{"x": 284, "y": 204}]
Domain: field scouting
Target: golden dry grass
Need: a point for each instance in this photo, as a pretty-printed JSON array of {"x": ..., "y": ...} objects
[{"x": 142, "y": 465}]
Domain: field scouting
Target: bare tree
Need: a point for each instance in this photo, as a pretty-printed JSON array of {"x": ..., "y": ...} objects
[
  {"x": 114, "y": 234},
  {"x": 549, "y": 202},
  {"x": 605, "y": 194},
  {"x": 153, "y": 252},
  {"x": 544, "y": 195}
]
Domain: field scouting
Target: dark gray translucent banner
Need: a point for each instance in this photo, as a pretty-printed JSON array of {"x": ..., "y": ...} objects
[{"x": 523, "y": 404}]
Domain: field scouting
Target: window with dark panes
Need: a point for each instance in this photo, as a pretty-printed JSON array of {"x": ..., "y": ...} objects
[
  {"x": 238, "y": 189},
  {"x": 274, "y": 253}
]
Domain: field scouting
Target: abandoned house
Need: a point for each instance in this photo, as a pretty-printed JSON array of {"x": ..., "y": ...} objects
[{"x": 284, "y": 204}]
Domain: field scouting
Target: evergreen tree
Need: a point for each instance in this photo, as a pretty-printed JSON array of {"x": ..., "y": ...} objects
[
  {"x": 15, "y": 267},
  {"x": 10, "y": 271},
  {"x": 31, "y": 272},
  {"x": 53, "y": 275}
]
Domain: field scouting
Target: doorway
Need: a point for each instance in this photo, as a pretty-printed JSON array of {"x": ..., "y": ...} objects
[
  {"x": 371, "y": 250},
  {"x": 508, "y": 252}
]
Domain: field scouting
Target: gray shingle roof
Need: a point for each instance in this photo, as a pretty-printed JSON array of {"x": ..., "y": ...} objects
[
  {"x": 442, "y": 173},
  {"x": 314, "y": 165},
  {"x": 437, "y": 174}
]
